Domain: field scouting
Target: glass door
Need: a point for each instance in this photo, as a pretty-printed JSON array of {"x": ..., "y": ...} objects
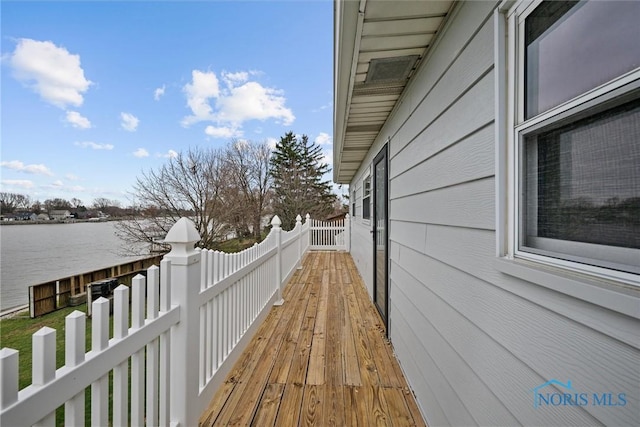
[{"x": 380, "y": 226}]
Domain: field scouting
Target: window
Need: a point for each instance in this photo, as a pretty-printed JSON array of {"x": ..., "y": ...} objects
[
  {"x": 366, "y": 198},
  {"x": 576, "y": 139},
  {"x": 353, "y": 204}
]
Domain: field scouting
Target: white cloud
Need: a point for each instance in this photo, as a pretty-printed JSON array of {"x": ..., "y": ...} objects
[
  {"x": 169, "y": 154},
  {"x": 233, "y": 79},
  {"x": 71, "y": 177},
  {"x": 228, "y": 108},
  {"x": 22, "y": 183},
  {"x": 323, "y": 139},
  {"x": 252, "y": 101},
  {"x": 140, "y": 153},
  {"x": 93, "y": 145},
  {"x": 61, "y": 187},
  {"x": 50, "y": 71},
  {"x": 77, "y": 120},
  {"x": 158, "y": 93},
  {"x": 222, "y": 132},
  {"x": 203, "y": 87},
  {"x": 129, "y": 122},
  {"x": 271, "y": 142},
  {"x": 17, "y": 165}
]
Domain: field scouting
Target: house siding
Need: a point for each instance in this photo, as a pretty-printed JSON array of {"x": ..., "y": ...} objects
[{"x": 474, "y": 342}]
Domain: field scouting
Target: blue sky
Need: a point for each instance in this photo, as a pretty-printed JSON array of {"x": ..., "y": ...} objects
[{"x": 92, "y": 93}]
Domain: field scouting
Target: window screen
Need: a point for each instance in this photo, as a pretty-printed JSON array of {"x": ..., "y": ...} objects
[{"x": 581, "y": 184}]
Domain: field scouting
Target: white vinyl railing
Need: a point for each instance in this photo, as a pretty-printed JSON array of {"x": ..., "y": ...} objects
[
  {"x": 176, "y": 334},
  {"x": 330, "y": 235}
]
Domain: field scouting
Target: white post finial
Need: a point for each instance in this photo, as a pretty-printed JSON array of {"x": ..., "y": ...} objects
[
  {"x": 298, "y": 218},
  {"x": 275, "y": 222},
  {"x": 307, "y": 217},
  {"x": 182, "y": 237}
]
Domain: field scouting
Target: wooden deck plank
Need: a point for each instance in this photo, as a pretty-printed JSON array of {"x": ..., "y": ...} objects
[
  {"x": 315, "y": 374},
  {"x": 284, "y": 359},
  {"x": 367, "y": 366},
  {"x": 269, "y": 404},
  {"x": 319, "y": 359},
  {"x": 311, "y": 413},
  {"x": 351, "y": 364},
  {"x": 289, "y": 411},
  {"x": 334, "y": 351},
  {"x": 252, "y": 381},
  {"x": 397, "y": 407},
  {"x": 334, "y": 414}
]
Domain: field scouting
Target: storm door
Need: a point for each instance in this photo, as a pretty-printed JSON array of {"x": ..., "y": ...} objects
[{"x": 380, "y": 227}]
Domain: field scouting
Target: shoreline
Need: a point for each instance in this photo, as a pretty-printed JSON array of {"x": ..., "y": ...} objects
[{"x": 59, "y": 221}]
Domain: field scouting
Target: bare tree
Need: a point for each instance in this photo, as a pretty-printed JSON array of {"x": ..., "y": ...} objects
[
  {"x": 9, "y": 202},
  {"x": 188, "y": 185},
  {"x": 247, "y": 191},
  {"x": 75, "y": 203},
  {"x": 101, "y": 203},
  {"x": 56, "y": 204}
]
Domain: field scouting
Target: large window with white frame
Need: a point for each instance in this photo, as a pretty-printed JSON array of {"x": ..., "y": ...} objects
[{"x": 575, "y": 139}]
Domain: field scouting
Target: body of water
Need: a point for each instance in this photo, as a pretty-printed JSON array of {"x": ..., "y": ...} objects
[{"x": 37, "y": 253}]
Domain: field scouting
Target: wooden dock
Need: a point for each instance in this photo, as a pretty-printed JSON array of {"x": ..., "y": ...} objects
[{"x": 319, "y": 359}]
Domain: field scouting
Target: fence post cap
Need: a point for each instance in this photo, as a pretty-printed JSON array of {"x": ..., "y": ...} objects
[
  {"x": 347, "y": 216},
  {"x": 6, "y": 352},
  {"x": 308, "y": 216},
  {"x": 298, "y": 218},
  {"x": 182, "y": 237},
  {"x": 275, "y": 222},
  {"x": 45, "y": 330}
]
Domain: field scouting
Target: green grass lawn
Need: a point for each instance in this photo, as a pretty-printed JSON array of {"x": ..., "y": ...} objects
[{"x": 15, "y": 332}]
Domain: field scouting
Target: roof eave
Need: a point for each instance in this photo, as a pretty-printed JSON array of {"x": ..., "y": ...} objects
[{"x": 347, "y": 15}]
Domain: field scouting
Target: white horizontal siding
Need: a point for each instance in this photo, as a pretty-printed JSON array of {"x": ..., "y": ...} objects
[
  {"x": 473, "y": 341},
  {"x": 362, "y": 250},
  {"x": 471, "y": 158}
]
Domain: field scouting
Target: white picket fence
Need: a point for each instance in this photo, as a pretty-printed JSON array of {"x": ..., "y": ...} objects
[
  {"x": 330, "y": 235},
  {"x": 202, "y": 309}
]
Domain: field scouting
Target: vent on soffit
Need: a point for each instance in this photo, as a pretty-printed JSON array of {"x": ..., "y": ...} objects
[{"x": 390, "y": 70}]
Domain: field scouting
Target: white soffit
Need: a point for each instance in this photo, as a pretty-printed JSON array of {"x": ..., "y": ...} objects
[{"x": 391, "y": 38}]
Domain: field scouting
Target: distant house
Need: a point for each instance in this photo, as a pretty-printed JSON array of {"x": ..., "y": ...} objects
[
  {"x": 43, "y": 217},
  {"x": 25, "y": 216},
  {"x": 484, "y": 144},
  {"x": 60, "y": 214}
]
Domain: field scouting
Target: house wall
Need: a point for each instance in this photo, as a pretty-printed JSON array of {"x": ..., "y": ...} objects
[
  {"x": 361, "y": 232},
  {"x": 474, "y": 342}
]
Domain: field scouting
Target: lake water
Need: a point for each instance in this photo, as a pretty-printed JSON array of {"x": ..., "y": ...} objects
[{"x": 37, "y": 253}]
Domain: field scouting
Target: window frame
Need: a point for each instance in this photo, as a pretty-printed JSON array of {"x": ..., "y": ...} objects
[
  {"x": 366, "y": 197},
  {"x": 353, "y": 203},
  {"x": 511, "y": 126}
]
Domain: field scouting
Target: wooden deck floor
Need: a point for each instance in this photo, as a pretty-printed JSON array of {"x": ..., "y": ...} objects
[{"x": 319, "y": 359}]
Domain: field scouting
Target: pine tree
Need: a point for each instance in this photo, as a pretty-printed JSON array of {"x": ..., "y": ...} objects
[{"x": 297, "y": 170}]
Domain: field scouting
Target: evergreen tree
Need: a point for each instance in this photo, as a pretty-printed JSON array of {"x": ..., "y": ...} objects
[{"x": 297, "y": 170}]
